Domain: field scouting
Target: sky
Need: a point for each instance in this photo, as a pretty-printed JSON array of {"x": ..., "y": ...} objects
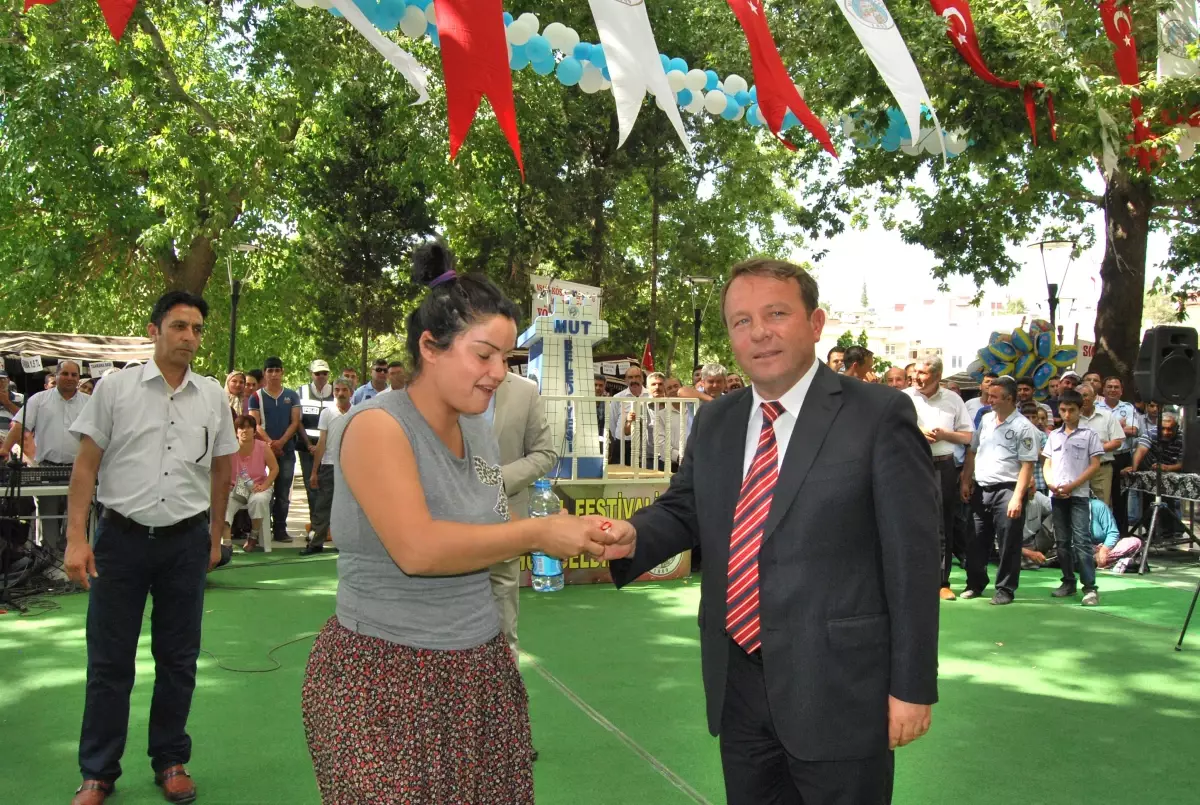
[{"x": 905, "y": 272}]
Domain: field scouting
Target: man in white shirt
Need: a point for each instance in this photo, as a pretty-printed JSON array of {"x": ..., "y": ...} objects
[
  {"x": 975, "y": 404},
  {"x": 48, "y": 416},
  {"x": 160, "y": 438},
  {"x": 945, "y": 423},
  {"x": 1131, "y": 424},
  {"x": 621, "y": 413},
  {"x": 671, "y": 427},
  {"x": 818, "y": 627},
  {"x": 1111, "y": 434},
  {"x": 320, "y": 477},
  {"x": 315, "y": 397}
]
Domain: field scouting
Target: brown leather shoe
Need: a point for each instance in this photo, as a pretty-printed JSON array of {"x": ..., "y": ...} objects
[
  {"x": 93, "y": 792},
  {"x": 176, "y": 784}
]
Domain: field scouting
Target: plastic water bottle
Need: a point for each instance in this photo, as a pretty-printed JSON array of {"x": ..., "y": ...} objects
[{"x": 547, "y": 571}]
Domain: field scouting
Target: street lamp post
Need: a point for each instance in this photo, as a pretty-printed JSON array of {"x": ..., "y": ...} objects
[
  {"x": 235, "y": 293},
  {"x": 695, "y": 281},
  {"x": 1052, "y": 288}
]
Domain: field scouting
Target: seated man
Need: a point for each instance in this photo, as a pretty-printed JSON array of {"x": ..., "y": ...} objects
[
  {"x": 1111, "y": 549},
  {"x": 1037, "y": 538},
  {"x": 1150, "y": 455},
  {"x": 251, "y": 482}
]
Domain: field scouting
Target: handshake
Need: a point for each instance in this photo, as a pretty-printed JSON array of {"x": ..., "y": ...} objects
[{"x": 566, "y": 536}]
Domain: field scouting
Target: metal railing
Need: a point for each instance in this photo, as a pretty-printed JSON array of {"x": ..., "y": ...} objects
[{"x": 649, "y": 453}]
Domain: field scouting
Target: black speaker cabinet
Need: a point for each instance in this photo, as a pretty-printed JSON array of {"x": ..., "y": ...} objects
[{"x": 1168, "y": 365}]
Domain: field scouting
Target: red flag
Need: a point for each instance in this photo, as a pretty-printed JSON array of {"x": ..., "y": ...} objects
[
  {"x": 116, "y": 13},
  {"x": 776, "y": 92},
  {"x": 961, "y": 30},
  {"x": 647, "y": 359},
  {"x": 1118, "y": 27},
  {"x": 475, "y": 64}
]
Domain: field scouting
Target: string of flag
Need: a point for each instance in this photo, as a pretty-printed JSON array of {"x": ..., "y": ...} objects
[{"x": 481, "y": 45}]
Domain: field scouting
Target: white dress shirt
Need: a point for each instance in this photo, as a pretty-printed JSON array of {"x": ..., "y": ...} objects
[
  {"x": 792, "y": 401},
  {"x": 617, "y": 412},
  {"x": 49, "y": 419},
  {"x": 1107, "y": 427},
  {"x": 158, "y": 442},
  {"x": 944, "y": 410}
]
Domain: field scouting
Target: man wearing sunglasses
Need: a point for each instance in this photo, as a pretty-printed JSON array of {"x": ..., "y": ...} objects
[
  {"x": 161, "y": 439},
  {"x": 377, "y": 383}
]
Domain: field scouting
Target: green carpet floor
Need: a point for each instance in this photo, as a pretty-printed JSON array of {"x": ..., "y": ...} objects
[{"x": 1041, "y": 702}]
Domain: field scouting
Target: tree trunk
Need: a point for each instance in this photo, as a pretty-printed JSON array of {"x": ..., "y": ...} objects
[
  {"x": 671, "y": 350},
  {"x": 1128, "y": 202},
  {"x": 192, "y": 272},
  {"x": 654, "y": 253},
  {"x": 366, "y": 339}
]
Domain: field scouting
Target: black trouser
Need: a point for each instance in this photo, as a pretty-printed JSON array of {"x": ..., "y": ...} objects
[
  {"x": 1120, "y": 504},
  {"x": 948, "y": 499},
  {"x": 322, "y": 505},
  {"x": 306, "y": 468},
  {"x": 130, "y": 565},
  {"x": 621, "y": 452},
  {"x": 283, "y": 494},
  {"x": 989, "y": 505},
  {"x": 759, "y": 771}
]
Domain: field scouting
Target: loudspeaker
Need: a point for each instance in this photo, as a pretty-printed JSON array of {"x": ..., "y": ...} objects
[{"x": 1168, "y": 366}]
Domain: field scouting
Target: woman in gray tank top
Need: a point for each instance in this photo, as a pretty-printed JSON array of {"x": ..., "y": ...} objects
[{"x": 412, "y": 694}]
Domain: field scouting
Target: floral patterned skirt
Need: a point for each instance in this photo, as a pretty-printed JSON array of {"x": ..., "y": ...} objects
[{"x": 388, "y": 723}]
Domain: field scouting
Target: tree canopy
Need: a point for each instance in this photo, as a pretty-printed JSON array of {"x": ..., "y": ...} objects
[{"x": 129, "y": 168}]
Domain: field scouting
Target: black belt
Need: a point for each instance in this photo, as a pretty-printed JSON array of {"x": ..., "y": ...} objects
[
  {"x": 118, "y": 519},
  {"x": 997, "y": 487},
  {"x": 936, "y": 459}
]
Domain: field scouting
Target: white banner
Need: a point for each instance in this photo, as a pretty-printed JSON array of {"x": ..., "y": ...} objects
[
  {"x": 633, "y": 63},
  {"x": 876, "y": 29},
  {"x": 1178, "y": 27},
  {"x": 31, "y": 364},
  {"x": 401, "y": 59}
]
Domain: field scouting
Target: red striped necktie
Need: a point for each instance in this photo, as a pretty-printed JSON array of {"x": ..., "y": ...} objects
[{"x": 754, "y": 503}]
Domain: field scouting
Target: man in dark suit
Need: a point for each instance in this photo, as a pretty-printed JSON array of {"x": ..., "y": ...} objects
[{"x": 819, "y": 600}]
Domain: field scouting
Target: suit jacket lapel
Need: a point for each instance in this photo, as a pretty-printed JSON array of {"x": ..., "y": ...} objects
[
  {"x": 816, "y": 417},
  {"x": 727, "y": 475},
  {"x": 501, "y": 412}
]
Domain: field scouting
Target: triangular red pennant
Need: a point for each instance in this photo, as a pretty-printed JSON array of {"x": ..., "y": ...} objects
[
  {"x": 117, "y": 14},
  {"x": 31, "y": 3},
  {"x": 776, "y": 92},
  {"x": 475, "y": 65}
]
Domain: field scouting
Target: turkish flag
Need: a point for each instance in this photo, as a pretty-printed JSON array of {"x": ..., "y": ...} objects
[
  {"x": 960, "y": 27},
  {"x": 31, "y": 3},
  {"x": 776, "y": 92},
  {"x": 1118, "y": 27},
  {"x": 475, "y": 65},
  {"x": 647, "y": 359}
]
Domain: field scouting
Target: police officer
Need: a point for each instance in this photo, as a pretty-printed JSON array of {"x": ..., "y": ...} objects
[
  {"x": 996, "y": 475},
  {"x": 314, "y": 397},
  {"x": 161, "y": 439}
]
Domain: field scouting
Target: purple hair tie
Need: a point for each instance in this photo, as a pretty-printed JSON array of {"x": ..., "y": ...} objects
[{"x": 443, "y": 279}]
